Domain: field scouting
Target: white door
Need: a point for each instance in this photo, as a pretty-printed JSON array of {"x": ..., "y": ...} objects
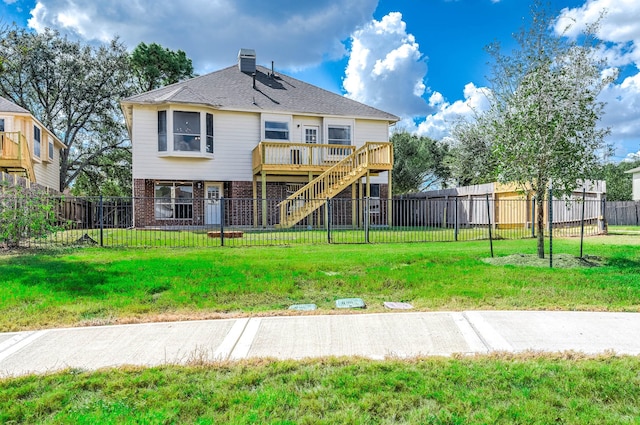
[
  {"x": 213, "y": 193},
  {"x": 310, "y": 134}
]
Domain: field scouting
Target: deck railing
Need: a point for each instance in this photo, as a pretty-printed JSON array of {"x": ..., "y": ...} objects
[
  {"x": 298, "y": 156},
  {"x": 15, "y": 153},
  {"x": 10, "y": 143}
]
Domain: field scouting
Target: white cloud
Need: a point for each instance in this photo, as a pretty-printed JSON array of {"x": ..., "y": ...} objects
[
  {"x": 438, "y": 125},
  {"x": 211, "y": 32},
  {"x": 634, "y": 156},
  {"x": 386, "y": 68},
  {"x": 619, "y": 29},
  {"x": 622, "y": 112}
]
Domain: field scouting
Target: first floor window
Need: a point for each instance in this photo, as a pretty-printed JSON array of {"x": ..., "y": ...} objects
[
  {"x": 173, "y": 200},
  {"x": 36, "y": 142},
  {"x": 374, "y": 202},
  {"x": 186, "y": 131},
  {"x": 275, "y": 130}
]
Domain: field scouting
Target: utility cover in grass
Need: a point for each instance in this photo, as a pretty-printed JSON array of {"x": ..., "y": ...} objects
[
  {"x": 350, "y": 303},
  {"x": 397, "y": 306},
  {"x": 303, "y": 307}
]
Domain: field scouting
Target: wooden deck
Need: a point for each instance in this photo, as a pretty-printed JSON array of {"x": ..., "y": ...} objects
[
  {"x": 324, "y": 169},
  {"x": 297, "y": 158},
  {"x": 15, "y": 156}
]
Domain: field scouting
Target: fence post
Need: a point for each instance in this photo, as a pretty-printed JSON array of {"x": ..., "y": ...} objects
[
  {"x": 603, "y": 212},
  {"x": 455, "y": 219},
  {"x": 327, "y": 219},
  {"x": 550, "y": 227},
  {"x": 222, "y": 221},
  {"x": 584, "y": 197},
  {"x": 101, "y": 217},
  {"x": 445, "y": 208},
  {"x": 489, "y": 226},
  {"x": 533, "y": 217},
  {"x": 367, "y": 216}
]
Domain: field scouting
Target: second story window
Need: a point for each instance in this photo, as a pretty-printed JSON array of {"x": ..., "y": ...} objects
[
  {"x": 162, "y": 131},
  {"x": 276, "y": 130},
  {"x": 36, "y": 142},
  {"x": 209, "y": 133},
  {"x": 339, "y": 135},
  {"x": 50, "y": 148},
  {"x": 186, "y": 131},
  {"x": 1, "y": 124}
]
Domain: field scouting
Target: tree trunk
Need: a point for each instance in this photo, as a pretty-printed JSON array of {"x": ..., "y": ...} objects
[{"x": 540, "y": 206}]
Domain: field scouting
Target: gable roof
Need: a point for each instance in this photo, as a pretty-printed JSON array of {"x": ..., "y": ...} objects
[
  {"x": 231, "y": 89},
  {"x": 633, "y": 170},
  {"x": 8, "y": 106}
]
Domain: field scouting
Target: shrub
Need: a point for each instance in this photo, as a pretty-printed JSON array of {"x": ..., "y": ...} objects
[{"x": 25, "y": 213}]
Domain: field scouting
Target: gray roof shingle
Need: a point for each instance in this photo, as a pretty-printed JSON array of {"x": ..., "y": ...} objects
[
  {"x": 8, "y": 106},
  {"x": 230, "y": 89}
]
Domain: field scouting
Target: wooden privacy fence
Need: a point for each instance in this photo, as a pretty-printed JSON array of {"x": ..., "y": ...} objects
[
  {"x": 469, "y": 211},
  {"x": 623, "y": 213}
]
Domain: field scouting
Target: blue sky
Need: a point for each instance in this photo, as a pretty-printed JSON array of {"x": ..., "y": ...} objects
[{"x": 422, "y": 60}]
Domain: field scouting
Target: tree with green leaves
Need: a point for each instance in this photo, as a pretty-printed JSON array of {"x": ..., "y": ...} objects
[
  {"x": 109, "y": 176},
  {"x": 619, "y": 183},
  {"x": 471, "y": 159},
  {"x": 72, "y": 88},
  {"x": 155, "y": 66},
  {"x": 418, "y": 163},
  {"x": 544, "y": 114}
]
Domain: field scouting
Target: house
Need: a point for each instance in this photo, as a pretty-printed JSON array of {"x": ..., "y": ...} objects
[
  {"x": 635, "y": 172},
  {"x": 27, "y": 148},
  {"x": 249, "y": 133}
]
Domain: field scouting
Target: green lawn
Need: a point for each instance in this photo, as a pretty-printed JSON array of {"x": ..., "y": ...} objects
[
  {"x": 93, "y": 285},
  {"x": 526, "y": 389},
  {"x": 624, "y": 230},
  {"x": 98, "y": 286}
]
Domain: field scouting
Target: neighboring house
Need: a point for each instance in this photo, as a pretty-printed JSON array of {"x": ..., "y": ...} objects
[
  {"x": 27, "y": 148},
  {"x": 246, "y": 132},
  {"x": 635, "y": 172}
]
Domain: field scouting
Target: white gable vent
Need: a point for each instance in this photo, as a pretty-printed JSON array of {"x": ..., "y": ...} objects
[{"x": 247, "y": 60}]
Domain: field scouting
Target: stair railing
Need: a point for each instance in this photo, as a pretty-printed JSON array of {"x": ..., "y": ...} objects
[{"x": 330, "y": 183}]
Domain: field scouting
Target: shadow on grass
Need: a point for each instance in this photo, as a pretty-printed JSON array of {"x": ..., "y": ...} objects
[
  {"x": 56, "y": 275},
  {"x": 625, "y": 264}
]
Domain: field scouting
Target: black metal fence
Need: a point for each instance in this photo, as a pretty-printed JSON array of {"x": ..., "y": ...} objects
[{"x": 190, "y": 222}]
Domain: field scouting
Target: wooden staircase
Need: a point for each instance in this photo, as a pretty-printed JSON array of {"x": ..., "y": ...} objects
[
  {"x": 372, "y": 156},
  {"x": 15, "y": 155}
]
